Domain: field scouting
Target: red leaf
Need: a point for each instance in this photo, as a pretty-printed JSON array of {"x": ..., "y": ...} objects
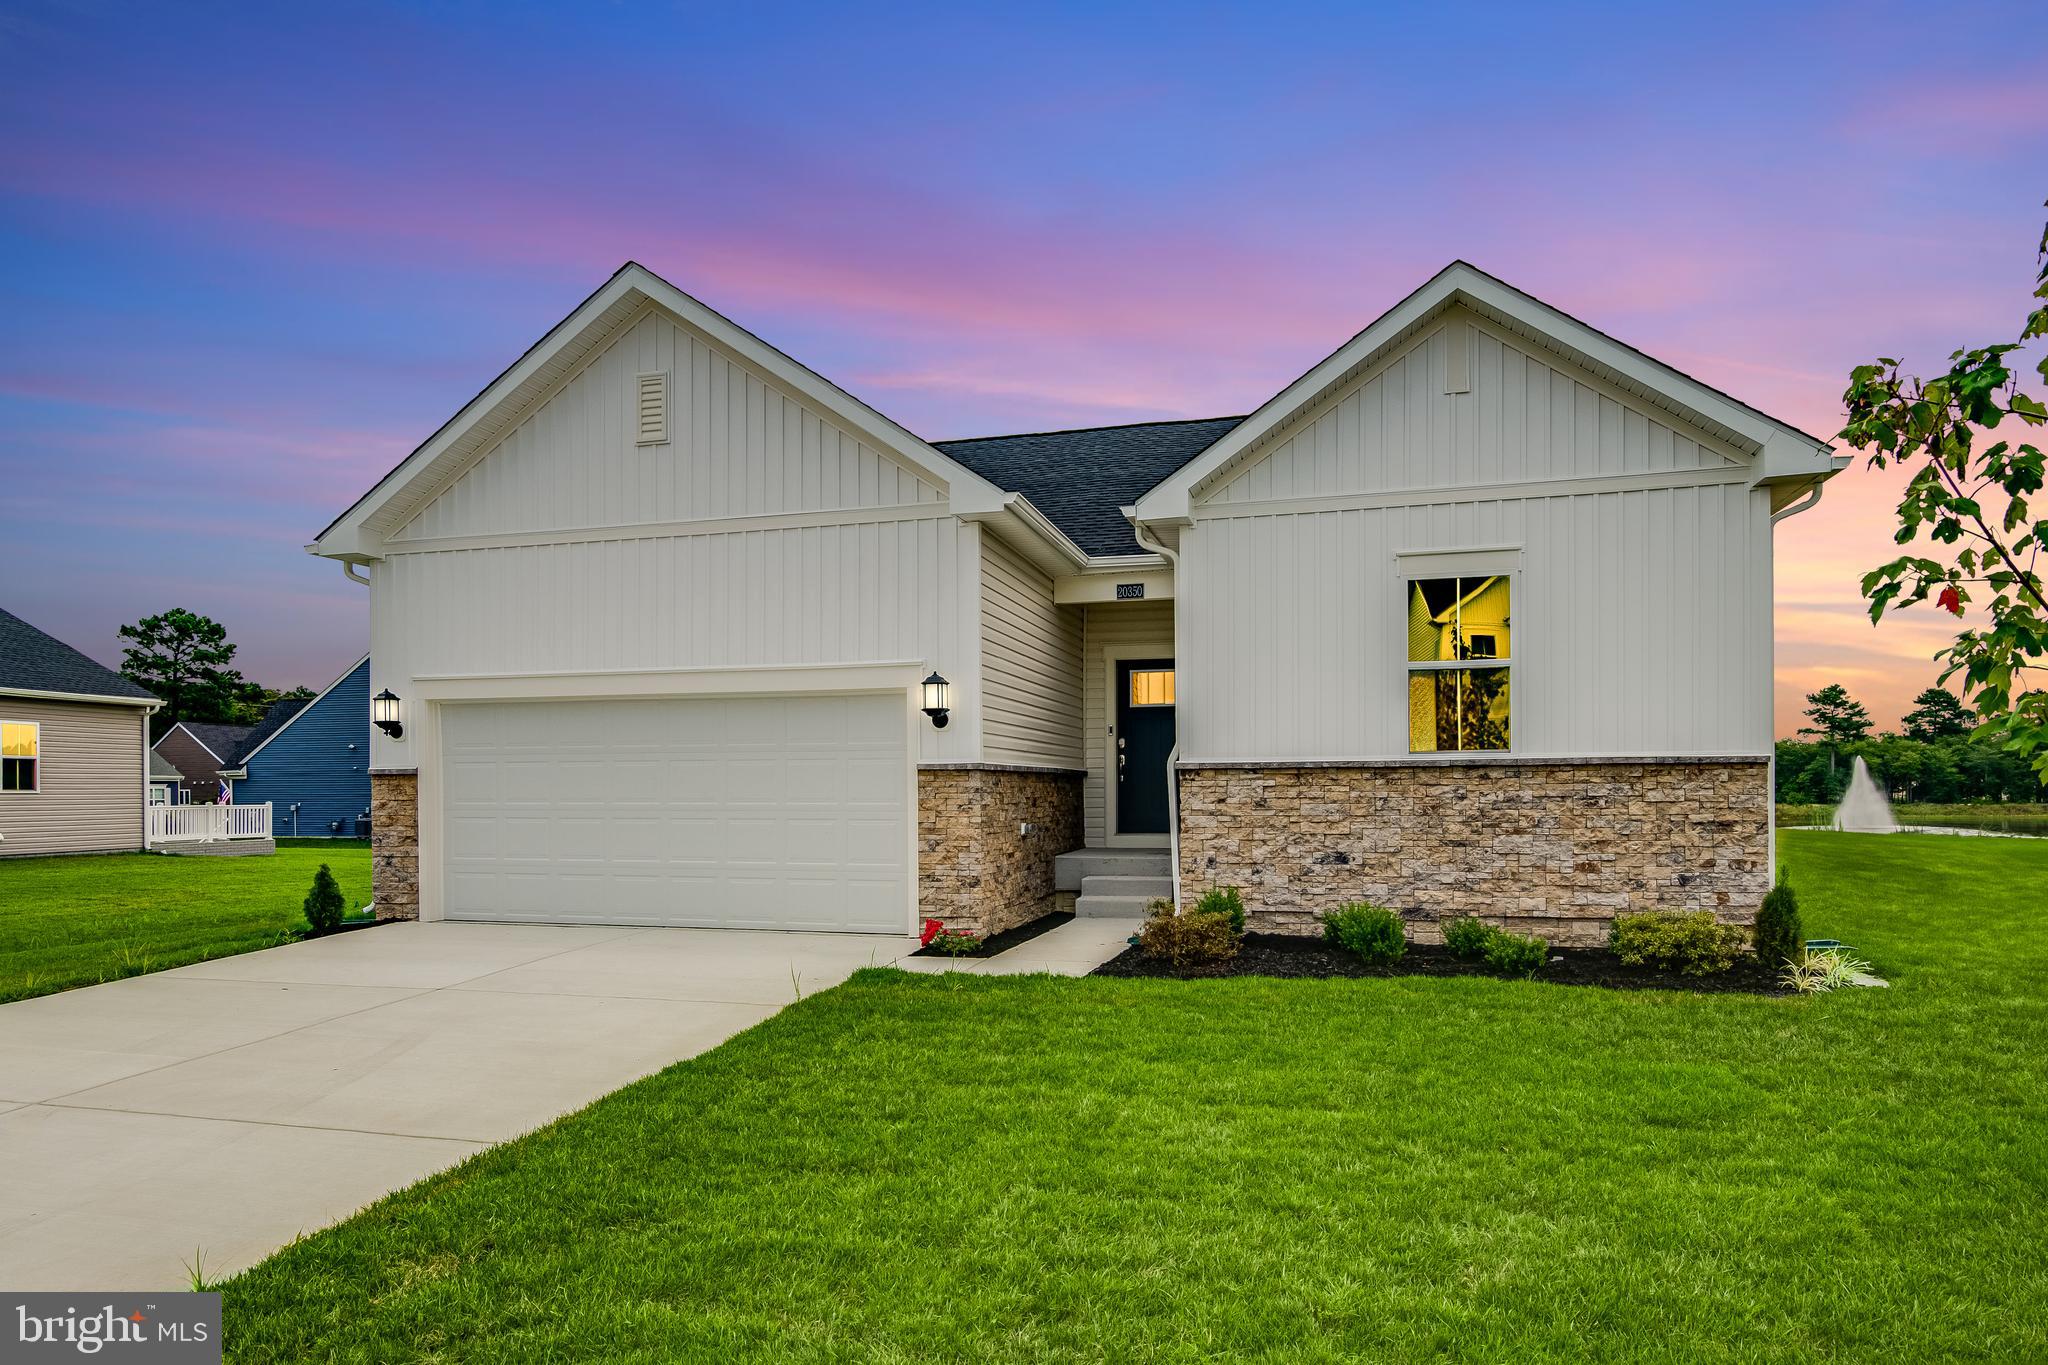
[{"x": 1950, "y": 600}]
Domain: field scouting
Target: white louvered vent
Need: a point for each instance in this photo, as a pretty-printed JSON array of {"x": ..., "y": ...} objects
[{"x": 652, "y": 409}]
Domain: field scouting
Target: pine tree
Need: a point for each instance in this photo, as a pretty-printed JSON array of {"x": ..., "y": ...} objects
[
  {"x": 323, "y": 903},
  {"x": 1780, "y": 938}
]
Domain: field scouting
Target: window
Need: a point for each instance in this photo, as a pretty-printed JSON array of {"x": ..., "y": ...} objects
[
  {"x": 1151, "y": 687},
  {"x": 1454, "y": 703},
  {"x": 21, "y": 744}
]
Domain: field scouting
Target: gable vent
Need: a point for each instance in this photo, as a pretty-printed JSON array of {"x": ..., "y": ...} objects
[{"x": 652, "y": 409}]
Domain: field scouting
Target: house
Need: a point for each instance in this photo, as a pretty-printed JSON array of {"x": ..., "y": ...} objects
[
  {"x": 202, "y": 751},
  {"x": 308, "y": 758},
  {"x": 166, "y": 783},
  {"x": 668, "y": 629},
  {"x": 74, "y": 746}
]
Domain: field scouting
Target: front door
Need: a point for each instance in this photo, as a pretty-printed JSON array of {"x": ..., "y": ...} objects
[{"x": 1144, "y": 740}]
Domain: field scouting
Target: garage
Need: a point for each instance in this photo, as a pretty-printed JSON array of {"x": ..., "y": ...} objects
[{"x": 758, "y": 812}]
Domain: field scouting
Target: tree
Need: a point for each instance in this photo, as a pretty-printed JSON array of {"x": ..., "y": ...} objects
[
  {"x": 1936, "y": 714},
  {"x": 1973, "y": 501},
  {"x": 1837, "y": 717},
  {"x": 324, "y": 905},
  {"x": 185, "y": 659}
]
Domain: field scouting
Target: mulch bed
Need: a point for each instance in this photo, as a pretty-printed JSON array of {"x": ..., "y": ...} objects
[
  {"x": 1289, "y": 955},
  {"x": 1007, "y": 939}
]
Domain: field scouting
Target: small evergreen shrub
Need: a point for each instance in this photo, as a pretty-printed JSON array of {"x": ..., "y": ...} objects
[
  {"x": 1780, "y": 938},
  {"x": 1515, "y": 954},
  {"x": 1375, "y": 934},
  {"x": 324, "y": 905},
  {"x": 1224, "y": 901},
  {"x": 1691, "y": 943},
  {"x": 1195, "y": 939},
  {"x": 1468, "y": 938}
]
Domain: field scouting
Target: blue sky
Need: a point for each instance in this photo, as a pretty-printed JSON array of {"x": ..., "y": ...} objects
[{"x": 250, "y": 256}]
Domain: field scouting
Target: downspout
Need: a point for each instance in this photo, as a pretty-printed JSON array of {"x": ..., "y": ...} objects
[
  {"x": 1172, "y": 558},
  {"x": 364, "y": 579},
  {"x": 354, "y": 577},
  {"x": 1804, "y": 503}
]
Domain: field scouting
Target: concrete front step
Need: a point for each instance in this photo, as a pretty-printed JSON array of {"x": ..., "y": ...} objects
[
  {"x": 1070, "y": 869},
  {"x": 1113, "y": 907},
  {"x": 1152, "y": 888}
]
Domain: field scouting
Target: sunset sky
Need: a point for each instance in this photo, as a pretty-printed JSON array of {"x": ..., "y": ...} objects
[{"x": 250, "y": 257}]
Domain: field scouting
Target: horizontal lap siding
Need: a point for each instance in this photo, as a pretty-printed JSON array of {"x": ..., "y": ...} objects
[
  {"x": 1120, "y": 628},
  {"x": 1641, "y": 624},
  {"x": 91, "y": 779},
  {"x": 1031, "y": 664},
  {"x": 319, "y": 762}
]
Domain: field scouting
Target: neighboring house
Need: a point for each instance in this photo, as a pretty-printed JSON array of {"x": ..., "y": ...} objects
[
  {"x": 204, "y": 751},
  {"x": 1474, "y": 617},
  {"x": 74, "y": 746},
  {"x": 310, "y": 759},
  {"x": 166, "y": 783}
]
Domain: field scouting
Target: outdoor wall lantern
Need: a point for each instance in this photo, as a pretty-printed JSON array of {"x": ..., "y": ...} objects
[
  {"x": 938, "y": 700},
  {"x": 384, "y": 713}
]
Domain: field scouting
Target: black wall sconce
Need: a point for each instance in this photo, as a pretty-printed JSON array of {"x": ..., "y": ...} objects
[
  {"x": 384, "y": 713},
  {"x": 938, "y": 700}
]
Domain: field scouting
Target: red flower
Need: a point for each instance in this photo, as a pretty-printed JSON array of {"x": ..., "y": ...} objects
[
  {"x": 932, "y": 929},
  {"x": 1950, "y": 600}
]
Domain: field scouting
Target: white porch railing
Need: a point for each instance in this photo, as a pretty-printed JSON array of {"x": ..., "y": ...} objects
[{"x": 203, "y": 824}]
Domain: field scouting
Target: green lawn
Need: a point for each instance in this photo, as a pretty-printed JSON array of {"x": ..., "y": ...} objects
[
  {"x": 959, "y": 1169},
  {"x": 68, "y": 922}
]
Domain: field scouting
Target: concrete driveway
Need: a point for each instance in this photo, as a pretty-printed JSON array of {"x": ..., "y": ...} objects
[{"x": 225, "y": 1108}]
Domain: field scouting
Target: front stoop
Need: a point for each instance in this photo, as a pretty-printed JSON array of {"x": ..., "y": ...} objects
[{"x": 1115, "y": 883}]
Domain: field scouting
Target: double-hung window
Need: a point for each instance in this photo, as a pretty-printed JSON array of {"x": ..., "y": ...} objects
[
  {"x": 1458, "y": 655},
  {"x": 21, "y": 753}
]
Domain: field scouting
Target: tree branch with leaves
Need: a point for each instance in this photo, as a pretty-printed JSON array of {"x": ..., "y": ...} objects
[{"x": 1973, "y": 498}]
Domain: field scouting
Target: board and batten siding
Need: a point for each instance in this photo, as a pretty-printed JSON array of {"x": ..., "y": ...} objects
[
  {"x": 1642, "y": 561},
  {"x": 1031, "y": 664},
  {"x": 568, "y": 548},
  {"x": 1112, "y": 629},
  {"x": 738, "y": 447},
  {"x": 90, "y": 773}
]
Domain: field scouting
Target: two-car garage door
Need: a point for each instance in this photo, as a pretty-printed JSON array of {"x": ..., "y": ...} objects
[{"x": 776, "y": 812}]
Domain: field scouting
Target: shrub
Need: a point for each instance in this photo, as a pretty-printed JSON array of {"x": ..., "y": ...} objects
[
  {"x": 324, "y": 905},
  {"x": 1515, "y": 954},
  {"x": 1780, "y": 938},
  {"x": 955, "y": 942},
  {"x": 1376, "y": 935},
  {"x": 1195, "y": 939},
  {"x": 1824, "y": 970},
  {"x": 1224, "y": 901},
  {"x": 1691, "y": 943},
  {"x": 1468, "y": 938}
]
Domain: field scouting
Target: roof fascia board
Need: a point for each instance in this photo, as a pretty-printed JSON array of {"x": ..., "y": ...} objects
[
  {"x": 346, "y": 674},
  {"x": 1172, "y": 498},
  {"x": 1031, "y": 533},
  {"x": 41, "y": 694},
  {"x": 349, "y": 537}
]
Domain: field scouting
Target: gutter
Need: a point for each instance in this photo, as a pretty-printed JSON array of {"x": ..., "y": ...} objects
[{"x": 1172, "y": 558}]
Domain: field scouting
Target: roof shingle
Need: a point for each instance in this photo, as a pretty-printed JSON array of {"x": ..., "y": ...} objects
[
  {"x": 1080, "y": 478},
  {"x": 32, "y": 661}
]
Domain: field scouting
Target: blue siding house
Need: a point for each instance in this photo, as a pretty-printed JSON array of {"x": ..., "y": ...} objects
[{"x": 311, "y": 761}]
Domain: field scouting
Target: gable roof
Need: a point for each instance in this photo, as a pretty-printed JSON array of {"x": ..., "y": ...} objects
[
  {"x": 1781, "y": 451},
  {"x": 1081, "y": 478},
  {"x": 222, "y": 741},
  {"x": 288, "y": 709},
  {"x": 33, "y": 663},
  {"x": 161, "y": 769},
  {"x": 357, "y": 534}
]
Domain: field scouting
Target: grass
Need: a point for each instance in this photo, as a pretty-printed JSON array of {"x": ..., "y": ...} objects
[
  {"x": 2003, "y": 817},
  {"x": 68, "y": 922},
  {"x": 947, "y": 1168}
]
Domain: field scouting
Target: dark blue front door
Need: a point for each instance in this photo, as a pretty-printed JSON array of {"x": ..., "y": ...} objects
[{"x": 1144, "y": 740}]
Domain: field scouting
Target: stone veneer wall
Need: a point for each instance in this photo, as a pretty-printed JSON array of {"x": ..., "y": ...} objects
[
  {"x": 1554, "y": 848},
  {"x": 395, "y": 844},
  {"x": 975, "y": 870}
]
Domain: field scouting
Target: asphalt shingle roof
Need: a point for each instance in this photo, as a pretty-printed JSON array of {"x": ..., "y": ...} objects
[
  {"x": 225, "y": 741},
  {"x": 1080, "y": 478},
  {"x": 35, "y": 662},
  {"x": 276, "y": 718}
]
